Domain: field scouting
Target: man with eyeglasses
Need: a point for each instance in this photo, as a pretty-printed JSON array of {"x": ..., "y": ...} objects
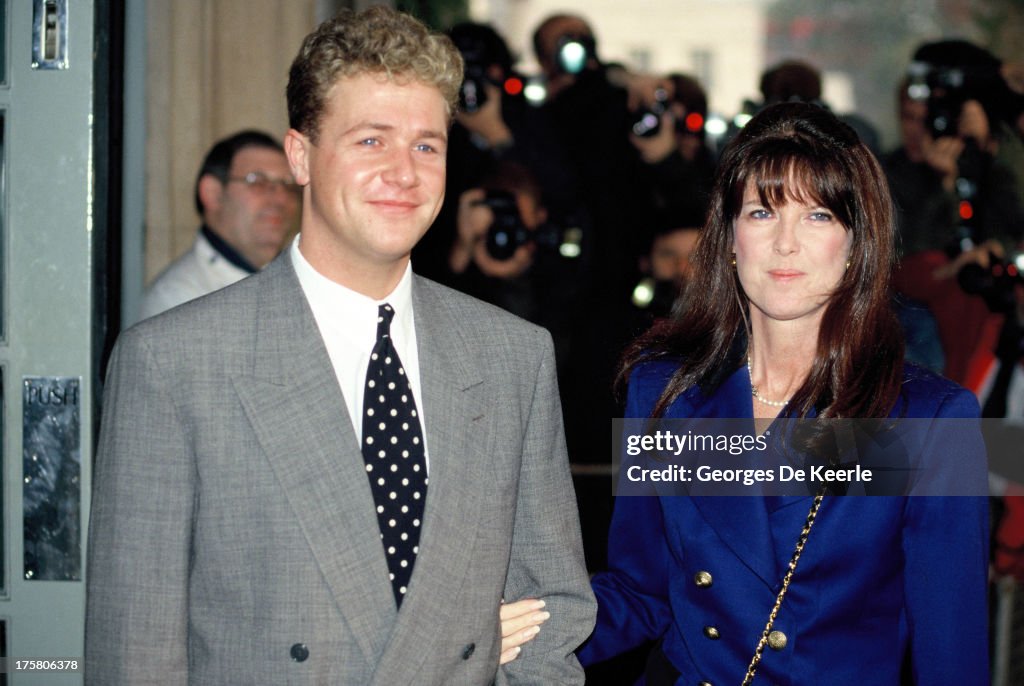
[{"x": 249, "y": 202}]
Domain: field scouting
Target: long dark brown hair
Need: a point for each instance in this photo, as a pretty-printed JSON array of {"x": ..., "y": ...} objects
[{"x": 792, "y": 151}]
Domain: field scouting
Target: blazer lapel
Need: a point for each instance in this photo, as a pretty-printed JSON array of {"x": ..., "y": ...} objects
[
  {"x": 454, "y": 401},
  {"x": 303, "y": 426},
  {"x": 740, "y": 521}
]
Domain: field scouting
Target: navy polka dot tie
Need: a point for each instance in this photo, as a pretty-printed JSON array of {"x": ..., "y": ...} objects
[{"x": 395, "y": 459}]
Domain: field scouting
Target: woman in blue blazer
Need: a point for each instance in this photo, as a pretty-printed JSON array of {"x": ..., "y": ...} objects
[{"x": 788, "y": 316}]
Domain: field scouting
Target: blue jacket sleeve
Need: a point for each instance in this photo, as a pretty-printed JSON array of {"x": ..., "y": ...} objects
[
  {"x": 945, "y": 546},
  {"x": 632, "y": 595}
]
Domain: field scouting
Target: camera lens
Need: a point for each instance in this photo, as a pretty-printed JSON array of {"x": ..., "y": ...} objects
[
  {"x": 943, "y": 115},
  {"x": 647, "y": 120},
  {"x": 501, "y": 244},
  {"x": 647, "y": 123},
  {"x": 472, "y": 95},
  {"x": 507, "y": 231},
  {"x": 573, "y": 57},
  {"x": 573, "y": 53}
]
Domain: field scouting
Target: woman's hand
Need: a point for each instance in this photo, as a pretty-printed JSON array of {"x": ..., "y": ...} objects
[{"x": 520, "y": 623}]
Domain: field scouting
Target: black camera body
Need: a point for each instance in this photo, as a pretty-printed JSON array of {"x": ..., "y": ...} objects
[
  {"x": 507, "y": 233},
  {"x": 574, "y": 51},
  {"x": 646, "y": 121},
  {"x": 473, "y": 92},
  {"x": 946, "y": 89},
  {"x": 476, "y": 57}
]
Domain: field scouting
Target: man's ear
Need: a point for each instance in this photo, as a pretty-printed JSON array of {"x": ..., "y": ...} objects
[
  {"x": 296, "y": 148},
  {"x": 211, "y": 194}
]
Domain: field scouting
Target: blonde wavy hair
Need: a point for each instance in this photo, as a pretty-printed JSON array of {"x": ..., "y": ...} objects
[{"x": 377, "y": 40}]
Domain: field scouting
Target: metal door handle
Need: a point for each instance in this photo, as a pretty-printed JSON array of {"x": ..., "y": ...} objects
[{"x": 50, "y": 34}]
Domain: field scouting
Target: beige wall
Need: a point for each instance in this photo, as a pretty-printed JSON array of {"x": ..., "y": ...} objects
[{"x": 214, "y": 67}]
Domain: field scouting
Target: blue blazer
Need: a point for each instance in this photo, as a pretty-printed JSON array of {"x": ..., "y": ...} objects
[{"x": 881, "y": 578}]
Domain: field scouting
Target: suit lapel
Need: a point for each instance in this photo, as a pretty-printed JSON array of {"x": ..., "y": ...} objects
[
  {"x": 452, "y": 389},
  {"x": 740, "y": 521},
  {"x": 300, "y": 419}
]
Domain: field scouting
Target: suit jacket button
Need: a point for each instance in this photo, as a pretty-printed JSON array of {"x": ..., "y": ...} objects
[
  {"x": 704, "y": 683},
  {"x": 777, "y": 640},
  {"x": 300, "y": 652},
  {"x": 712, "y": 633},
  {"x": 468, "y": 651},
  {"x": 702, "y": 579}
]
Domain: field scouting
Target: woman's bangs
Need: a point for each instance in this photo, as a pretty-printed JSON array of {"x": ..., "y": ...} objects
[{"x": 792, "y": 175}]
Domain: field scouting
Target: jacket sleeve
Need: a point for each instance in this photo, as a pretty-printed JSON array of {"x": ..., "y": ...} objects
[
  {"x": 547, "y": 551},
  {"x": 945, "y": 546},
  {"x": 140, "y": 529},
  {"x": 632, "y": 595}
]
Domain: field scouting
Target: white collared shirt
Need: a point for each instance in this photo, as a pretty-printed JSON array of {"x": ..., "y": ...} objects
[{"x": 348, "y": 324}]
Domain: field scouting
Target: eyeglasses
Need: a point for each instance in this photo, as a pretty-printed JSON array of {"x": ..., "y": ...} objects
[{"x": 264, "y": 185}]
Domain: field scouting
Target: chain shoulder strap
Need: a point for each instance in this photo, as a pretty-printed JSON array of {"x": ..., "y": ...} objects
[{"x": 801, "y": 541}]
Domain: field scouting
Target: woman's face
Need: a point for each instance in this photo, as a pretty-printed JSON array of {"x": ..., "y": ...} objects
[{"x": 789, "y": 258}]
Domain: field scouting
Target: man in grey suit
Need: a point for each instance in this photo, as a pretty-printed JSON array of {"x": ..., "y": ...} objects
[{"x": 269, "y": 506}]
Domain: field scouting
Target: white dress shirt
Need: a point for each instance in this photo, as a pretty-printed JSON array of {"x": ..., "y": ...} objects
[{"x": 348, "y": 323}]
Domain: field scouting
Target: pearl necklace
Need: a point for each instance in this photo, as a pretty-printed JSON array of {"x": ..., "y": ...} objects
[{"x": 758, "y": 397}]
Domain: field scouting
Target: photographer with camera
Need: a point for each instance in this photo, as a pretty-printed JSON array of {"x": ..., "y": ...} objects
[
  {"x": 668, "y": 132},
  {"x": 666, "y": 266},
  {"x": 947, "y": 178},
  {"x": 922, "y": 174},
  {"x": 960, "y": 216},
  {"x": 494, "y": 124},
  {"x": 508, "y": 253},
  {"x": 589, "y": 112},
  {"x": 495, "y": 222},
  {"x": 589, "y": 109}
]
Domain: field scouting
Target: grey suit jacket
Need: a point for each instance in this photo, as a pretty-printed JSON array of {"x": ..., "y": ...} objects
[{"x": 233, "y": 538}]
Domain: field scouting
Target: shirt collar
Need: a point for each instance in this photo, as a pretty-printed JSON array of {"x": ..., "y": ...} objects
[
  {"x": 225, "y": 250},
  {"x": 356, "y": 312}
]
